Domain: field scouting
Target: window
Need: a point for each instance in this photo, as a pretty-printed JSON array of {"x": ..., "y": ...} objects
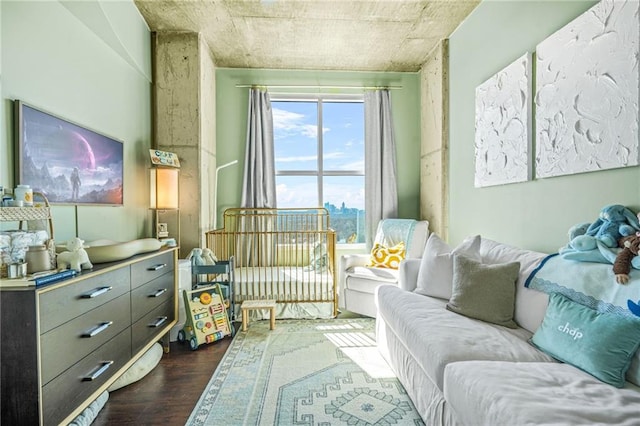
[{"x": 319, "y": 156}]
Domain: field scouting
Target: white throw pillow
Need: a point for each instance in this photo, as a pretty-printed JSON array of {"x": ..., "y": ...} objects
[{"x": 435, "y": 277}]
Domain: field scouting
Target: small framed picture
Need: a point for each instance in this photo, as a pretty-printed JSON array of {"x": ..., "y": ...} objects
[{"x": 163, "y": 230}]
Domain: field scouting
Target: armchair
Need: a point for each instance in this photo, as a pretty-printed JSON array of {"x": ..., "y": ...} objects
[{"x": 357, "y": 282}]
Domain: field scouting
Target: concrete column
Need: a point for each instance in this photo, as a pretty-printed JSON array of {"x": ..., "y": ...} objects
[
  {"x": 184, "y": 123},
  {"x": 434, "y": 132}
]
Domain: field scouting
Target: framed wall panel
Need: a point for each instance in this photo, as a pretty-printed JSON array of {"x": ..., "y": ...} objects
[
  {"x": 587, "y": 92},
  {"x": 503, "y": 126}
]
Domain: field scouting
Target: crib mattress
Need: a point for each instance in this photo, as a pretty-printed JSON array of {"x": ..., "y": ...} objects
[{"x": 283, "y": 283}]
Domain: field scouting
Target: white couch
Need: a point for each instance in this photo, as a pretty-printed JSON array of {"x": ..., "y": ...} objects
[{"x": 463, "y": 371}]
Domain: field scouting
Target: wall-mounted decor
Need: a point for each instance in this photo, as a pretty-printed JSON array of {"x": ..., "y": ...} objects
[
  {"x": 503, "y": 126},
  {"x": 68, "y": 163},
  {"x": 587, "y": 81}
]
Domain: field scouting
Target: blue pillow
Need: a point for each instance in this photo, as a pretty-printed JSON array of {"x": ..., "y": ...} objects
[{"x": 600, "y": 343}]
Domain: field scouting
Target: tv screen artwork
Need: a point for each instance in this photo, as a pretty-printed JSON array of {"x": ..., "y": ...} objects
[{"x": 68, "y": 163}]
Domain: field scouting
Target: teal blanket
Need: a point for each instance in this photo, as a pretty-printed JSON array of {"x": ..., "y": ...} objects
[
  {"x": 396, "y": 230},
  {"x": 601, "y": 253},
  {"x": 590, "y": 284}
]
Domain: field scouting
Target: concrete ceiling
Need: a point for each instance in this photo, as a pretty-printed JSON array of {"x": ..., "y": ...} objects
[{"x": 355, "y": 35}]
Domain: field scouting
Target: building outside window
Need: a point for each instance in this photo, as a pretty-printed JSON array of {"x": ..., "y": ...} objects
[{"x": 319, "y": 158}]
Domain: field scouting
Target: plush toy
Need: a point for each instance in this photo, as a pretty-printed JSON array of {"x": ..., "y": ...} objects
[
  {"x": 319, "y": 258},
  {"x": 209, "y": 257},
  {"x": 75, "y": 257},
  {"x": 578, "y": 240},
  {"x": 615, "y": 221},
  {"x": 578, "y": 229},
  {"x": 195, "y": 256},
  {"x": 622, "y": 266},
  {"x": 199, "y": 256}
]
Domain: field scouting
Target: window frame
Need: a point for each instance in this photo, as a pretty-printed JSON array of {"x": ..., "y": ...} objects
[{"x": 320, "y": 172}]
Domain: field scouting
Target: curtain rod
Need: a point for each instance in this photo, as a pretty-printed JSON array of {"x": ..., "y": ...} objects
[{"x": 280, "y": 86}]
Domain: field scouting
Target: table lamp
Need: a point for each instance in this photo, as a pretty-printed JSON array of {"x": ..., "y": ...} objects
[{"x": 164, "y": 195}]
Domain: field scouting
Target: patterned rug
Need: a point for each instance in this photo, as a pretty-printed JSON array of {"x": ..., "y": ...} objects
[{"x": 305, "y": 372}]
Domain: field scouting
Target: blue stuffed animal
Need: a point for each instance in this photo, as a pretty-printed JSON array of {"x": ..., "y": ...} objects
[
  {"x": 577, "y": 238},
  {"x": 195, "y": 256},
  {"x": 615, "y": 221}
]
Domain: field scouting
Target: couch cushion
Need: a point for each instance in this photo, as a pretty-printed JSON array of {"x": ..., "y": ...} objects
[
  {"x": 599, "y": 343},
  {"x": 366, "y": 279},
  {"x": 484, "y": 291},
  {"x": 530, "y": 304},
  {"x": 426, "y": 329},
  {"x": 425, "y": 395},
  {"x": 435, "y": 276},
  {"x": 532, "y": 393}
]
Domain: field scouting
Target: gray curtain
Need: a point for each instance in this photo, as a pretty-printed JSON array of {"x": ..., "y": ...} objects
[
  {"x": 381, "y": 200},
  {"x": 259, "y": 186}
]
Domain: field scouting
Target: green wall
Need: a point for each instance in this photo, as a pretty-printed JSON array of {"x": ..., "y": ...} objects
[
  {"x": 231, "y": 121},
  {"x": 535, "y": 214},
  {"x": 89, "y": 62}
]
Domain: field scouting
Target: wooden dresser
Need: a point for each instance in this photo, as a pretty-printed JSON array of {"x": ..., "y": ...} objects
[{"x": 63, "y": 344}]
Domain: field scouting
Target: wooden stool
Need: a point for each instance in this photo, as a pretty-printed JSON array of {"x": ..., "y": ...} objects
[{"x": 258, "y": 304}]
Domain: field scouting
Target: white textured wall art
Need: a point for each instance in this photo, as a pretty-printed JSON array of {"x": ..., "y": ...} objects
[
  {"x": 587, "y": 80},
  {"x": 503, "y": 126}
]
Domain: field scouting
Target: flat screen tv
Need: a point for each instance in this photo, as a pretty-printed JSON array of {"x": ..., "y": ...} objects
[{"x": 68, "y": 163}]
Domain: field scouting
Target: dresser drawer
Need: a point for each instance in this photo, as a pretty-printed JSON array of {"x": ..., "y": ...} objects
[
  {"x": 72, "y": 341},
  {"x": 65, "y": 303},
  {"x": 149, "y": 269},
  {"x": 69, "y": 390},
  {"x": 150, "y": 295},
  {"x": 150, "y": 326}
]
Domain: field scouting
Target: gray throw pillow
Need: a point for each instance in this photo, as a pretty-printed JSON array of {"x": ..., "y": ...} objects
[{"x": 484, "y": 292}]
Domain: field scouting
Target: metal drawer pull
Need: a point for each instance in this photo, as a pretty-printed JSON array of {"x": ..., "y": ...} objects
[
  {"x": 97, "y": 292},
  {"x": 159, "y": 322},
  {"x": 98, "y": 329},
  {"x": 156, "y": 267},
  {"x": 104, "y": 367},
  {"x": 158, "y": 293}
]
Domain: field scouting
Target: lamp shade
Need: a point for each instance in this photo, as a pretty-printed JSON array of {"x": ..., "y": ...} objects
[{"x": 164, "y": 188}]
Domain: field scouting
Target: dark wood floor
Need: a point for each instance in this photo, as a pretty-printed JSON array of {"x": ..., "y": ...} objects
[{"x": 167, "y": 395}]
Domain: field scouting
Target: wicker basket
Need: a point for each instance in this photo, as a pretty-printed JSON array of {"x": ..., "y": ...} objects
[{"x": 38, "y": 213}]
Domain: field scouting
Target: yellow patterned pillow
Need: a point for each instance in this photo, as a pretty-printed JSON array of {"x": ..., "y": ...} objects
[{"x": 387, "y": 257}]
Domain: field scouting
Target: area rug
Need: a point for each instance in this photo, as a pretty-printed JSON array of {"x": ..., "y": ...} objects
[{"x": 305, "y": 372}]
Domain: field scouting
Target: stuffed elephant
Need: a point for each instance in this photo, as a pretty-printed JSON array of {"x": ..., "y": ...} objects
[{"x": 615, "y": 221}]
